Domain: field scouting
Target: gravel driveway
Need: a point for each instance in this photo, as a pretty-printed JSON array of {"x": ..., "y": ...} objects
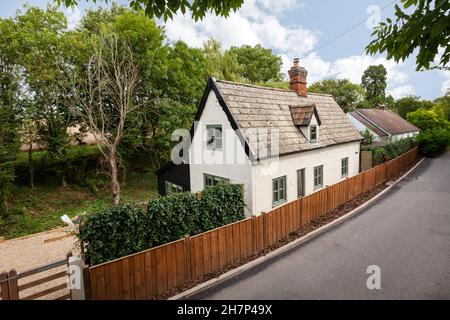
[{"x": 30, "y": 252}]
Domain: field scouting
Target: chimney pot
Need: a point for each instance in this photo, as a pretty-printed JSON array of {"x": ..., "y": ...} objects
[{"x": 297, "y": 75}]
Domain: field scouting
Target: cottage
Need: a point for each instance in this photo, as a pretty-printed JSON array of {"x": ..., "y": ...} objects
[
  {"x": 383, "y": 124},
  {"x": 279, "y": 144}
]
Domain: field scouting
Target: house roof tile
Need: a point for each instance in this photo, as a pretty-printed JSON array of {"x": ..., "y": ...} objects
[
  {"x": 388, "y": 121},
  {"x": 256, "y": 107}
]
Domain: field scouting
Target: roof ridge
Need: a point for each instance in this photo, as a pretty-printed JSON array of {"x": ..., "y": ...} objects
[
  {"x": 320, "y": 94},
  {"x": 269, "y": 88},
  {"x": 253, "y": 85}
]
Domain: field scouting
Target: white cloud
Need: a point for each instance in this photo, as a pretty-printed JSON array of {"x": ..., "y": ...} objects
[
  {"x": 446, "y": 83},
  {"x": 280, "y": 6},
  {"x": 402, "y": 91},
  {"x": 250, "y": 25},
  {"x": 256, "y": 23},
  {"x": 73, "y": 16}
]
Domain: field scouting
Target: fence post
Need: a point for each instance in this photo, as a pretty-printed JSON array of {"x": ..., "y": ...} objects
[
  {"x": 187, "y": 255},
  {"x": 4, "y": 286},
  {"x": 77, "y": 283},
  {"x": 87, "y": 283},
  {"x": 255, "y": 234},
  {"x": 13, "y": 285},
  {"x": 265, "y": 230},
  {"x": 327, "y": 194}
]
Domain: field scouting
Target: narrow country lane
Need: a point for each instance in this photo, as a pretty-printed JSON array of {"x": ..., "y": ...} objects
[{"x": 406, "y": 234}]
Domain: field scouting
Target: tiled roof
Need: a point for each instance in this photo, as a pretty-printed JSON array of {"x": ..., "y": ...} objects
[
  {"x": 256, "y": 107},
  {"x": 368, "y": 124},
  {"x": 302, "y": 115},
  {"x": 388, "y": 121}
]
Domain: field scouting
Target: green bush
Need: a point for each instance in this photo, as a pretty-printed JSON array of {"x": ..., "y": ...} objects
[
  {"x": 128, "y": 229},
  {"x": 175, "y": 216},
  {"x": 390, "y": 151},
  {"x": 114, "y": 233},
  {"x": 433, "y": 142}
]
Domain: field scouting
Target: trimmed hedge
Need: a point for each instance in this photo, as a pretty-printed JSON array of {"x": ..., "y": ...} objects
[
  {"x": 390, "y": 151},
  {"x": 127, "y": 229}
]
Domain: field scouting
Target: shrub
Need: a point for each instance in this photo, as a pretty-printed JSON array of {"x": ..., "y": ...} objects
[
  {"x": 175, "y": 216},
  {"x": 128, "y": 229},
  {"x": 433, "y": 142},
  {"x": 390, "y": 151},
  {"x": 181, "y": 214},
  {"x": 428, "y": 119},
  {"x": 114, "y": 233}
]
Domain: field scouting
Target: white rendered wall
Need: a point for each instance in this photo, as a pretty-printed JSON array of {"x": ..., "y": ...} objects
[
  {"x": 329, "y": 157},
  {"x": 361, "y": 127},
  {"x": 233, "y": 164},
  {"x": 404, "y": 135}
]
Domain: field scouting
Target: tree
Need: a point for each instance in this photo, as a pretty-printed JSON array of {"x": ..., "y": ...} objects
[
  {"x": 409, "y": 104},
  {"x": 220, "y": 64},
  {"x": 442, "y": 106},
  {"x": 426, "y": 30},
  {"x": 106, "y": 95},
  {"x": 259, "y": 64},
  {"x": 9, "y": 137},
  {"x": 347, "y": 95},
  {"x": 167, "y": 8},
  {"x": 367, "y": 137},
  {"x": 43, "y": 52},
  {"x": 427, "y": 120},
  {"x": 374, "y": 82}
]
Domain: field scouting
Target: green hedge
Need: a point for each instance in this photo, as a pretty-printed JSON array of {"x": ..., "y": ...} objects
[
  {"x": 390, "y": 151},
  {"x": 433, "y": 142},
  {"x": 128, "y": 229}
]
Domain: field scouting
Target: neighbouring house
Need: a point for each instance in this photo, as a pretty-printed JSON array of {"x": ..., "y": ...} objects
[
  {"x": 383, "y": 124},
  {"x": 279, "y": 144}
]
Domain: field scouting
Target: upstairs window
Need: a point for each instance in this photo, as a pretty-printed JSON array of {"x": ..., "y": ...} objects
[
  {"x": 344, "y": 167},
  {"x": 214, "y": 137},
  {"x": 313, "y": 133}
]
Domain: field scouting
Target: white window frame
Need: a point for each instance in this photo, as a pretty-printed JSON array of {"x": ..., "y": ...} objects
[
  {"x": 344, "y": 165},
  {"x": 215, "y": 180},
  {"x": 172, "y": 188},
  {"x": 279, "y": 192},
  {"x": 316, "y": 139},
  {"x": 318, "y": 177},
  {"x": 212, "y": 131}
]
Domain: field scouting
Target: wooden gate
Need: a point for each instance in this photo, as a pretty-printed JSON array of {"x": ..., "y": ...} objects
[{"x": 48, "y": 282}]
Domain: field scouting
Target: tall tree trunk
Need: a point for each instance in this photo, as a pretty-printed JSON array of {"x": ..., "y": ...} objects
[
  {"x": 30, "y": 164},
  {"x": 115, "y": 185}
]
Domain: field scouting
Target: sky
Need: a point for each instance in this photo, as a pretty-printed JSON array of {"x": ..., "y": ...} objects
[{"x": 328, "y": 36}]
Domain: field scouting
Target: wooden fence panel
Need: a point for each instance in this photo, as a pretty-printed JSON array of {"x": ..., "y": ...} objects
[
  {"x": 337, "y": 194},
  {"x": 369, "y": 179},
  {"x": 355, "y": 186},
  {"x": 380, "y": 173}
]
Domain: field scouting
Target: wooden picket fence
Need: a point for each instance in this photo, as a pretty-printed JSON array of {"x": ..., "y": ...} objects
[
  {"x": 45, "y": 282},
  {"x": 157, "y": 271}
]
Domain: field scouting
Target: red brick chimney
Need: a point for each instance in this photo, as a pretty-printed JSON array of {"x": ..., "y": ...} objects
[{"x": 297, "y": 76}]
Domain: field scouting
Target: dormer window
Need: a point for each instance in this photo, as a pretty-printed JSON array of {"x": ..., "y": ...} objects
[
  {"x": 307, "y": 120},
  {"x": 313, "y": 133},
  {"x": 214, "y": 137}
]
